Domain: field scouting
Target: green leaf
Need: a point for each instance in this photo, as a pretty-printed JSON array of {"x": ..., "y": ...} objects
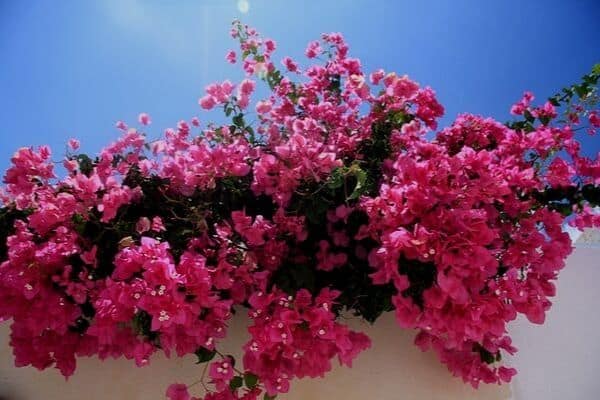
[
  {"x": 231, "y": 359},
  {"x": 250, "y": 131},
  {"x": 267, "y": 397},
  {"x": 528, "y": 117},
  {"x": 398, "y": 118},
  {"x": 336, "y": 179},
  {"x": 361, "y": 180},
  {"x": 293, "y": 96},
  {"x": 581, "y": 90},
  {"x": 250, "y": 380},
  {"x": 545, "y": 120},
  {"x": 554, "y": 101},
  {"x": 204, "y": 355},
  {"x": 274, "y": 78},
  {"x": 78, "y": 223},
  {"x": 485, "y": 355},
  {"x": 86, "y": 165},
  {"x": 238, "y": 120},
  {"x": 335, "y": 83},
  {"x": 236, "y": 383}
]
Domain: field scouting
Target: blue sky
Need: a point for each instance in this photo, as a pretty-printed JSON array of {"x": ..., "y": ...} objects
[{"x": 72, "y": 68}]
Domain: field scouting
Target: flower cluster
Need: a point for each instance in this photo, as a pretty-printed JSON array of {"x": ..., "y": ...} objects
[
  {"x": 337, "y": 199},
  {"x": 296, "y": 336}
]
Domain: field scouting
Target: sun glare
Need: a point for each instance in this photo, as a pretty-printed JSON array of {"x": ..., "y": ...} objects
[{"x": 243, "y": 6}]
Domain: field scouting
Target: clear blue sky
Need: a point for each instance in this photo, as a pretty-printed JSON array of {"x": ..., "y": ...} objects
[{"x": 72, "y": 68}]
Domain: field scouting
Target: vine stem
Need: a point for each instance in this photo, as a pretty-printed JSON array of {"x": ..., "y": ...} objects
[{"x": 201, "y": 380}]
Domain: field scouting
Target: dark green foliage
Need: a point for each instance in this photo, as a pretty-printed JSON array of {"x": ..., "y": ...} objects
[
  {"x": 232, "y": 194},
  {"x": 184, "y": 217},
  {"x": 87, "y": 309},
  {"x": 591, "y": 194},
  {"x": 86, "y": 164},
  {"x": 250, "y": 380},
  {"x": 8, "y": 216},
  {"x": 524, "y": 126},
  {"x": 421, "y": 276},
  {"x": 81, "y": 325},
  {"x": 204, "y": 355},
  {"x": 563, "y": 199},
  {"x": 377, "y": 148},
  {"x": 485, "y": 355},
  {"x": 274, "y": 78},
  {"x": 142, "y": 321},
  {"x": 358, "y": 293},
  {"x": 291, "y": 277},
  {"x": 335, "y": 84},
  {"x": 236, "y": 382}
]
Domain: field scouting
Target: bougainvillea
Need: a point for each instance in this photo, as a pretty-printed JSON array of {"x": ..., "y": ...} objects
[{"x": 338, "y": 198}]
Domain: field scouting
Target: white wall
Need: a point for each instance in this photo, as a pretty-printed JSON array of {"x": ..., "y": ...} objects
[{"x": 560, "y": 360}]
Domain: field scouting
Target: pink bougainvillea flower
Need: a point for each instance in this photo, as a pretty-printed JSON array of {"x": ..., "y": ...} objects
[
  {"x": 74, "y": 144},
  {"x": 231, "y": 57},
  {"x": 144, "y": 119},
  {"x": 178, "y": 391}
]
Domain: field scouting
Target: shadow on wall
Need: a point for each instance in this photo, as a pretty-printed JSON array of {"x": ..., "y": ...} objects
[{"x": 8, "y": 393}]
